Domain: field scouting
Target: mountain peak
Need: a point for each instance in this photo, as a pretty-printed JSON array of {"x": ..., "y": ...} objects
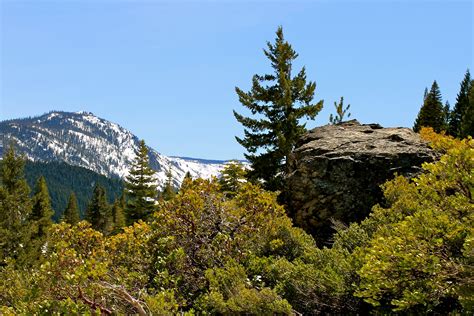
[
  {"x": 84, "y": 113},
  {"x": 85, "y": 140}
]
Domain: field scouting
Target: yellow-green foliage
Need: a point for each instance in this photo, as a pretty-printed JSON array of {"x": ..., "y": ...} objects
[
  {"x": 231, "y": 292},
  {"x": 74, "y": 262},
  {"x": 208, "y": 231},
  {"x": 419, "y": 252},
  {"x": 441, "y": 142},
  {"x": 179, "y": 262},
  {"x": 209, "y": 252},
  {"x": 243, "y": 255},
  {"x": 83, "y": 271}
]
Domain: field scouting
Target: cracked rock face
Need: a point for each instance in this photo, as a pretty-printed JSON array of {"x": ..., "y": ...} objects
[{"x": 337, "y": 171}]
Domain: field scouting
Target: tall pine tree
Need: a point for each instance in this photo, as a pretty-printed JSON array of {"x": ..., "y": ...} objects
[
  {"x": 168, "y": 191},
  {"x": 41, "y": 212},
  {"x": 447, "y": 115},
  {"x": 98, "y": 212},
  {"x": 278, "y": 101},
  {"x": 232, "y": 177},
  {"x": 118, "y": 213},
  {"x": 467, "y": 123},
  {"x": 188, "y": 176},
  {"x": 140, "y": 186},
  {"x": 40, "y": 219},
  {"x": 15, "y": 207},
  {"x": 432, "y": 112},
  {"x": 460, "y": 107},
  {"x": 71, "y": 213},
  {"x": 187, "y": 180}
]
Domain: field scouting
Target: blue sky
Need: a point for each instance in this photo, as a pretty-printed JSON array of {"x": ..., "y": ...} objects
[{"x": 167, "y": 70}]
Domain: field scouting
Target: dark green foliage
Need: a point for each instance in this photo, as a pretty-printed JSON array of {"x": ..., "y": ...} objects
[
  {"x": 467, "y": 123},
  {"x": 41, "y": 212},
  {"x": 447, "y": 115},
  {"x": 118, "y": 213},
  {"x": 187, "y": 178},
  {"x": 141, "y": 187},
  {"x": 168, "y": 191},
  {"x": 188, "y": 175},
  {"x": 460, "y": 108},
  {"x": 63, "y": 179},
  {"x": 39, "y": 221},
  {"x": 432, "y": 113},
  {"x": 15, "y": 207},
  {"x": 278, "y": 101},
  {"x": 71, "y": 213},
  {"x": 98, "y": 212},
  {"x": 232, "y": 177},
  {"x": 340, "y": 112}
]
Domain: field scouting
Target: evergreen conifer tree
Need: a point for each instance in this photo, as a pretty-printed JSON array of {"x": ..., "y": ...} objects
[
  {"x": 140, "y": 186},
  {"x": 187, "y": 180},
  {"x": 278, "y": 101},
  {"x": 98, "y": 212},
  {"x": 15, "y": 206},
  {"x": 460, "y": 107},
  {"x": 340, "y": 112},
  {"x": 123, "y": 201},
  {"x": 188, "y": 175},
  {"x": 71, "y": 213},
  {"x": 40, "y": 220},
  {"x": 41, "y": 211},
  {"x": 467, "y": 123},
  {"x": 432, "y": 113},
  {"x": 447, "y": 115},
  {"x": 168, "y": 191},
  {"x": 232, "y": 177},
  {"x": 118, "y": 214}
]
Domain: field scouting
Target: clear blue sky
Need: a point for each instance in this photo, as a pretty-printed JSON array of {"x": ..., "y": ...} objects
[{"x": 167, "y": 70}]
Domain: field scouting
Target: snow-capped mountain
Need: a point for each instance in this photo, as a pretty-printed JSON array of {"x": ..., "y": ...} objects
[{"x": 85, "y": 140}]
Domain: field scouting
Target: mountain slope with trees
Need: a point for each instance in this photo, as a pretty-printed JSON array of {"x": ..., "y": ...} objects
[
  {"x": 63, "y": 179},
  {"x": 85, "y": 140}
]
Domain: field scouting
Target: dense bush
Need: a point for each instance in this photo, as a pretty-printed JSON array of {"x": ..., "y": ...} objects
[{"x": 208, "y": 252}]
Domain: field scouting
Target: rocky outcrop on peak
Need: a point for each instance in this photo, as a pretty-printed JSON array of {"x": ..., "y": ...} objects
[{"x": 337, "y": 171}]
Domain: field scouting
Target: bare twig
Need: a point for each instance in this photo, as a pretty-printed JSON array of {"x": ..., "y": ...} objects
[
  {"x": 93, "y": 305},
  {"x": 120, "y": 290}
]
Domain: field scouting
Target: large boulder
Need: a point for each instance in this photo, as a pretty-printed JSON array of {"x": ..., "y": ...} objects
[{"x": 337, "y": 171}]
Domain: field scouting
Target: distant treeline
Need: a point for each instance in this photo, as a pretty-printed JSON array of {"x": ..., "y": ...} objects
[{"x": 63, "y": 179}]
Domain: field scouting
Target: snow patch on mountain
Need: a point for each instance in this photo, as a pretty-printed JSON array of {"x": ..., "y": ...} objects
[{"x": 85, "y": 140}]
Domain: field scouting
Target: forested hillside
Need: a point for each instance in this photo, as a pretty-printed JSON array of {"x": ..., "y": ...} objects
[
  {"x": 63, "y": 179},
  {"x": 85, "y": 140}
]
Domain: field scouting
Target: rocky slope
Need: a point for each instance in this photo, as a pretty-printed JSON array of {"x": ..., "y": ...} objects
[
  {"x": 85, "y": 140},
  {"x": 337, "y": 171}
]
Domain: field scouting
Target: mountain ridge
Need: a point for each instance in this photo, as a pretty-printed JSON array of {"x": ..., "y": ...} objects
[{"x": 85, "y": 140}]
